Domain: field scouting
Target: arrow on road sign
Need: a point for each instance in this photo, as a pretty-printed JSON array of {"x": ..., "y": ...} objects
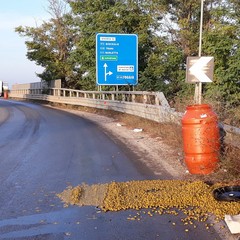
[
  {"x": 106, "y": 73},
  {"x": 201, "y": 68}
]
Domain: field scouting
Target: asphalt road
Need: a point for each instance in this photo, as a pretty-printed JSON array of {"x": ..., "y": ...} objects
[{"x": 42, "y": 151}]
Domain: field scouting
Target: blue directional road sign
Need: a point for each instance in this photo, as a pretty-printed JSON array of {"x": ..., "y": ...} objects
[{"x": 116, "y": 59}]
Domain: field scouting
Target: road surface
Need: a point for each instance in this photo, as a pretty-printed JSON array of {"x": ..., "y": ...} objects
[{"x": 44, "y": 150}]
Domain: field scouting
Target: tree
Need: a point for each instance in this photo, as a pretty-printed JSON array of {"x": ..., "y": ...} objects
[
  {"x": 108, "y": 16},
  {"x": 168, "y": 32},
  {"x": 50, "y": 45},
  {"x": 222, "y": 40}
]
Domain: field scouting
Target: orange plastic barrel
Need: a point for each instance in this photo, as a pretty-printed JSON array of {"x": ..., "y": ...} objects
[
  {"x": 201, "y": 139},
  {"x": 5, "y": 94}
]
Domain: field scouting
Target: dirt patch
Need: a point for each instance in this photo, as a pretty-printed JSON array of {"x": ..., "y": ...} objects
[{"x": 84, "y": 195}]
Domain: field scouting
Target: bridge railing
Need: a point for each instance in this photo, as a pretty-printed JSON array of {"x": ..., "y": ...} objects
[
  {"x": 153, "y": 98},
  {"x": 150, "y": 105}
]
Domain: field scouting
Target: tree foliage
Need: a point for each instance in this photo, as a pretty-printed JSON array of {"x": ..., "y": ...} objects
[
  {"x": 93, "y": 17},
  {"x": 50, "y": 45},
  {"x": 222, "y": 40},
  {"x": 168, "y": 32}
]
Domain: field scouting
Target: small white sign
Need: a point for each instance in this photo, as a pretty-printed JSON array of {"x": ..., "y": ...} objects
[
  {"x": 125, "y": 68},
  {"x": 108, "y": 39}
]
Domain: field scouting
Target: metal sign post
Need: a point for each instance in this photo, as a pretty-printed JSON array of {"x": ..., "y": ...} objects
[
  {"x": 198, "y": 86},
  {"x": 199, "y": 69}
]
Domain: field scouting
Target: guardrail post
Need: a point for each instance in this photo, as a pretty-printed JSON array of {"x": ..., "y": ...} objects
[
  {"x": 157, "y": 100},
  {"x": 133, "y": 98},
  {"x": 145, "y": 99},
  {"x": 162, "y": 100},
  {"x": 113, "y": 96}
]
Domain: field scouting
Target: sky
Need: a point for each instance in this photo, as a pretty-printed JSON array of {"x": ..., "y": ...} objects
[{"x": 14, "y": 65}]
